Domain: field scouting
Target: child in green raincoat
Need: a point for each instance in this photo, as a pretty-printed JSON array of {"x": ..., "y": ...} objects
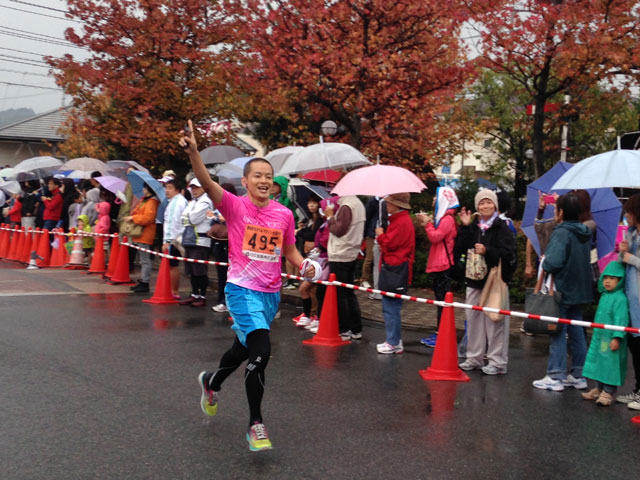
[{"x": 606, "y": 361}]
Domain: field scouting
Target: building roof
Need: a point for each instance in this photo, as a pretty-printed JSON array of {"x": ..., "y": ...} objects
[{"x": 44, "y": 126}]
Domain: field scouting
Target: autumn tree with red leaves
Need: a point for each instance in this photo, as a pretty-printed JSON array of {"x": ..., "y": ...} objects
[
  {"x": 556, "y": 47},
  {"x": 388, "y": 72},
  {"x": 152, "y": 65}
]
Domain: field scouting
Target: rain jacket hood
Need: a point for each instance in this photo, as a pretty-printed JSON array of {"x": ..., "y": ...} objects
[
  {"x": 580, "y": 230},
  {"x": 85, "y": 219},
  {"x": 103, "y": 208},
  {"x": 613, "y": 269},
  {"x": 283, "y": 198},
  {"x": 446, "y": 199}
]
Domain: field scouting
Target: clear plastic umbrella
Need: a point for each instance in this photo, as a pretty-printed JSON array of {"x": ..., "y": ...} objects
[
  {"x": 617, "y": 168},
  {"x": 10, "y": 187},
  {"x": 220, "y": 154},
  {"x": 323, "y": 156},
  {"x": 39, "y": 166},
  {"x": 277, "y": 157},
  {"x": 85, "y": 164}
]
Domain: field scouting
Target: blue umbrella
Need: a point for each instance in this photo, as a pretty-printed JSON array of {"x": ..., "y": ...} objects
[
  {"x": 605, "y": 208},
  {"x": 137, "y": 179},
  {"x": 484, "y": 183}
]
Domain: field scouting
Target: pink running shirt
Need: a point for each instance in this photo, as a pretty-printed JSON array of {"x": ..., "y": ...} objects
[{"x": 256, "y": 238}]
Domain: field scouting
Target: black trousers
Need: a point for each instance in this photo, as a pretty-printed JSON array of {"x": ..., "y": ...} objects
[
  {"x": 634, "y": 347},
  {"x": 221, "y": 254},
  {"x": 348, "y": 306},
  {"x": 441, "y": 285}
]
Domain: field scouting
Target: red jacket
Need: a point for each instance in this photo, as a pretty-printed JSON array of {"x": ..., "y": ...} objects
[
  {"x": 53, "y": 207},
  {"x": 398, "y": 243},
  {"x": 15, "y": 214}
]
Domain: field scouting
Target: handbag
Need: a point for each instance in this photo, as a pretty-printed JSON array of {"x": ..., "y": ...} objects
[
  {"x": 394, "y": 278},
  {"x": 495, "y": 293},
  {"x": 131, "y": 229},
  {"x": 476, "y": 265},
  {"x": 541, "y": 304},
  {"x": 189, "y": 236}
]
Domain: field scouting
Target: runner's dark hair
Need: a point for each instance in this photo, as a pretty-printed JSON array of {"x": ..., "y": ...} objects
[{"x": 247, "y": 167}]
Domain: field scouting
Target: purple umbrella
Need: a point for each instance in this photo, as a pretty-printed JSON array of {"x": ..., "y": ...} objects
[
  {"x": 605, "y": 209},
  {"x": 113, "y": 184}
]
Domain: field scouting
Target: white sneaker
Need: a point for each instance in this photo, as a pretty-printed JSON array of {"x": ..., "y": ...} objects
[
  {"x": 345, "y": 335},
  {"x": 577, "y": 383},
  {"x": 303, "y": 322},
  {"x": 365, "y": 284},
  {"x": 629, "y": 397},
  {"x": 634, "y": 405},
  {"x": 313, "y": 324},
  {"x": 221, "y": 307},
  {"x": 388, "y": 349},
  {"x": 375, "y": 296},
  {"x": 548, "y": 383},
  {"x": 469, "y": 365}
]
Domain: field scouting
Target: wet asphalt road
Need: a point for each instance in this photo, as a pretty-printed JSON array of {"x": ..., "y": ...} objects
[{"x": 104, "y": 386}]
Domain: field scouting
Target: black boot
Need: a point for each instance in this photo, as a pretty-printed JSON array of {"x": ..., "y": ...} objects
[
  {"x": 141, "y": 288},
  {"x": 135, "y": 286}
]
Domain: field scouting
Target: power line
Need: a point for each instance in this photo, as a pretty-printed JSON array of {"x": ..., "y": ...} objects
[
  {"x": 29, "y": 96},
  {"x": 20, "y": 58},
  {"x": 40, "y": 14},
  {"x": 48, "y": 37},
  {"x": 39, "y": 6},
  {"x": 22, "y": 51},
  {"x": 24, "y": 63},
  {"x": 24, "y": 73},
  {"x": 30, "y": 86},
  {"x": 50, "y": 42}
]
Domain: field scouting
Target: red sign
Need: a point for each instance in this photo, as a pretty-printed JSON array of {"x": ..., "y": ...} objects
[{"x": 548, "y": 108}]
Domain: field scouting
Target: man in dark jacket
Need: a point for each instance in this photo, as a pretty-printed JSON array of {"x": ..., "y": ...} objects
[{"x": 567, "y": 257}]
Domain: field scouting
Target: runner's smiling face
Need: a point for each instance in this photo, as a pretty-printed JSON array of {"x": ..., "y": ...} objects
[{"x": 258, "y": 182}]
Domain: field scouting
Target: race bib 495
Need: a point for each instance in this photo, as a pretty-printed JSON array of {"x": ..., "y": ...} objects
[{"x": 262, "y": 243}]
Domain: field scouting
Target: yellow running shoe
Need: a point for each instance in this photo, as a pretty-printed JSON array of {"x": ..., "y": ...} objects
[
  {"x": 258, "y": 438},
  {"x": 209, "y": 398}
]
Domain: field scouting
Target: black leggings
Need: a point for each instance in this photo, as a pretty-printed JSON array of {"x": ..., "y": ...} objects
[
  {"x": 257, "y": 351},
  {"x": 441, "y": 285},
  {"x": 199, "y": 285},
  {"x": 634, "y": 347}
]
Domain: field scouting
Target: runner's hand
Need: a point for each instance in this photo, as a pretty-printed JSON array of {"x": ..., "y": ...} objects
[
  {"x": 309, "y": 272},
  {"x": 188, "y": 140}
]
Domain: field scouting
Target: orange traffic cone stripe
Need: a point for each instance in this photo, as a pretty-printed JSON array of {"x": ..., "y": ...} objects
[{"x": 328, "y": 334}]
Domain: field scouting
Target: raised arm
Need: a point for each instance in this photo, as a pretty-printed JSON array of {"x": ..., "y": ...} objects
[{"x": 190, "y": 147}]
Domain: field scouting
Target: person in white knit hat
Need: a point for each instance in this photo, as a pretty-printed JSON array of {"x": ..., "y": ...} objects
[{"x": 489, "y": 236}]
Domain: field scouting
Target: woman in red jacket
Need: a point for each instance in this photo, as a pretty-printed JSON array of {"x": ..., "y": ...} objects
[
  {"x": 15, "y": 212},
  {"x": 52, "y": 204},
  {"x": 397, "y": 246}
]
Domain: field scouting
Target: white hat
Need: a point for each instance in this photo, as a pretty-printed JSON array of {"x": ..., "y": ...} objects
[
  {"x": 166, "y": 179},
  {"x": 195, "y": 182}
]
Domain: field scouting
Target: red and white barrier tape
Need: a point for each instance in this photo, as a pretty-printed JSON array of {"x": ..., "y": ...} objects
[
  {"x": 56, "y": 232},
  {"x": 565, "y": 321}
]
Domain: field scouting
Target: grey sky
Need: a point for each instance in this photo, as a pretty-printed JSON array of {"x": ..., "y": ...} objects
[{"x": 19, "y": 67}]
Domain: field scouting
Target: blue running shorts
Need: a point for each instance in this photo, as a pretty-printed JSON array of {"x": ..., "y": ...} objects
[{"x": 251, "y": 310}]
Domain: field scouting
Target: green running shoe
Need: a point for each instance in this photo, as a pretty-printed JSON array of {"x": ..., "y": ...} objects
[{"x": 209, "y": 398}]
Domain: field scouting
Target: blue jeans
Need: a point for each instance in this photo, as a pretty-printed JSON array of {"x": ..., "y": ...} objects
[
  {"x": 391, "y": 311},
  {"x": 557, "y": 365},
  {"x": 50, "y": 224}
]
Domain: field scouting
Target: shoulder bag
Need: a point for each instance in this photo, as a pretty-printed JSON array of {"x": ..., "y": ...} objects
[
  {"x": 131, "y": 229},
  {"x": 394, "y": 278},
  {"x": 495, "y": 293},
  {"x": 541, "y": 304}
]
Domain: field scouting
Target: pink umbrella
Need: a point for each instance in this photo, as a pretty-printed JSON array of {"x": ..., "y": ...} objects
[{"x": 378, "y": 180}]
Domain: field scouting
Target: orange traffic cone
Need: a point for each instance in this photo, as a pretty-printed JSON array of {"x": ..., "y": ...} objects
[
  {"x": 59, "y": 255},
  {"x": 636, "y": 419},
  {"x": 4, "y": 241},
  {"x": 121, "y": 273},
  {"x": 44, "y": 249},
  {"x": 113, "y": 257},
  {"x": 77, "y": 259},
  {"x": 17, "y": 240},
  {"x": 328, "y": 334},
  {"x": 444, "y": 365},
  {"x": 97, "y": 262},
  {"x": 162, "y": 293},
  {"x": 25, "y": 255}
]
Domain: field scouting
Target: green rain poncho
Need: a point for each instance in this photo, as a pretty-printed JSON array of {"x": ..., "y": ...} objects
[
  {"x": 283, "y": 198},
  {"x": 602, "y": 364}
]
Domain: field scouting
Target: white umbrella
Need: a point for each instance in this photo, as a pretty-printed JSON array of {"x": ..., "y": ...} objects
[
  {"x": 220, "y": 154},
  {"x": 85, "y": 164},
  {"x": 10, "y": 187},
  {"x": 233, "y": 169},
  {"x": 40, "y": 166},
  {"x": 279, "y": 156},
  {"x": 7, "y": 172},
  {"x": 617, "y": 168},
  {"x": 322, "y": 156},
  {"x": 119, "y": 168}
]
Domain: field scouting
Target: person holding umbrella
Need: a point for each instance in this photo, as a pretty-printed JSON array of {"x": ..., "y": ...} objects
[{"x": 144, "y": 214}]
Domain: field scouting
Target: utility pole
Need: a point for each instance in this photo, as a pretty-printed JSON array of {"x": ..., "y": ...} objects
[{"x": 564, "y": 139}]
